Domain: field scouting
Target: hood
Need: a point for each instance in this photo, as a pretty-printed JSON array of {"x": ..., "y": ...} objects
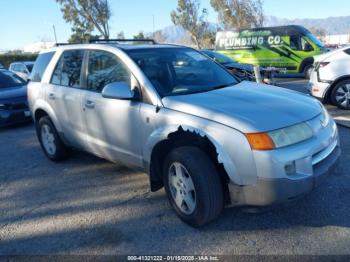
[
  {"x": 323, "y": 57},
  {"x": 13, "y": 93},
  {"x": 248, "y": 106}
]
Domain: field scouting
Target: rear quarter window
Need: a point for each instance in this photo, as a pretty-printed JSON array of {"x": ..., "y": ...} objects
[{"x": 40, "y": 66}]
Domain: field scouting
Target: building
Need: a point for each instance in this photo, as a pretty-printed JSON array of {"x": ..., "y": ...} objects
[
  {"x": 37, "y": 47},
  {"x": 337, "y": 39}
]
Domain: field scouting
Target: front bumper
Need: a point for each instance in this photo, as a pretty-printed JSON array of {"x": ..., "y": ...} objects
[
  {"x": 11, "y": 117},
  {"x": 313, "y": 159},
  {"x": 274, "y": 191},
  {"x": 318, "y": 88}
]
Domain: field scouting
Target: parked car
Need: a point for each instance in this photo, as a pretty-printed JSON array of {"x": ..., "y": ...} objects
[
  {"x": 13, "y": 99},
  {"x": 210, "y": 140},
  {"x": 22, "y": 69},
  {"x": 242, "y": 71},
  {"x": 330, "y": 79}
]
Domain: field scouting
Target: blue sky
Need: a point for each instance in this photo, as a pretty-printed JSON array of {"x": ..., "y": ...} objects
[{"x": 26, "y": 21}]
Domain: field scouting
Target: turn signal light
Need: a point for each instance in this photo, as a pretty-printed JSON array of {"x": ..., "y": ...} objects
[{"x": 260, "y": 141}]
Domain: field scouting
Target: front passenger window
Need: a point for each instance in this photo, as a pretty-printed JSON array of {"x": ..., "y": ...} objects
[
  {"x": 305, "y": 45},
  {"x": 105, "y": 68}
]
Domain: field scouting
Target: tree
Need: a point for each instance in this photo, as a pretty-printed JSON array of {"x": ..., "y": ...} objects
[
  {"x": 189, "y": 16},
  {"x": 87, "y": 15},
  {"x": 140, "y": 35},
  {"x": 121, "y": 35},
  {"x": 209, "y": 39},
  {"x": 320, "y": 32},
  {"x": 80, "y": 34},
  {"x": 159, "y": 36},
  {"x": 238, "y": 14}
]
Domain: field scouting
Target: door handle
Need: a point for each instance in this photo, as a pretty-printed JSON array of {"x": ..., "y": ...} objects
[
  {"x": 89, "y": 104},
  {"x": 52, "y": 96}
]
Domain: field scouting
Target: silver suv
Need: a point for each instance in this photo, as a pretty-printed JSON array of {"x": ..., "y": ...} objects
[{"x": 209, "y": 139}]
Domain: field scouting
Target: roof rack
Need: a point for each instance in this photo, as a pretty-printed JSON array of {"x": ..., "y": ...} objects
[
  {"x": 121, "y": 40},
  {"x": 60, "y": 44}
]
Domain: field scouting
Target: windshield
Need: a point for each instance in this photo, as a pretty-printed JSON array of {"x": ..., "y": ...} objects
[
  {"x": 315, "y": 40},
  {"x": 9, "y": 79},
  {"x": 180, "y": 71},
  {"x": 29, "y": 67},
  {"x": 220, "y": 58}
]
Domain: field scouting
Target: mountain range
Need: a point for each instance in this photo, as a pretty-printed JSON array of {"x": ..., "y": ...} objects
[{"x": 331, "y": 25}]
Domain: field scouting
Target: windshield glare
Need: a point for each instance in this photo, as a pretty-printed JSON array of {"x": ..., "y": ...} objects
[
  {"x": 8, "y": 79},
  {"x": 180, "y": 71},
  {"x": 220, "y": 58}
]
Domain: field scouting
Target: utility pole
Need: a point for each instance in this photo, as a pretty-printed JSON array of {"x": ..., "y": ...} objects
[
  {"x": 54, "y": 32},
  {"x": 153, "y": 25}
]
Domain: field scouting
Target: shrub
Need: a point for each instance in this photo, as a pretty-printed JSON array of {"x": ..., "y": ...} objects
[{"x": 8, "y": 58}]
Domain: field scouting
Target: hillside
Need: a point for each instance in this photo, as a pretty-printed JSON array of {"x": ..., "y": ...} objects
[{"x": 332, "y": 25}]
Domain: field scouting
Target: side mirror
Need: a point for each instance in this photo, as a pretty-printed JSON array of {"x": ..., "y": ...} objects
[{"x": 118, "y": 90}]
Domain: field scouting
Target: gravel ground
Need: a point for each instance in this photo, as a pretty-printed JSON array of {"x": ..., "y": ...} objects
[{"x": 86, "y": 205}]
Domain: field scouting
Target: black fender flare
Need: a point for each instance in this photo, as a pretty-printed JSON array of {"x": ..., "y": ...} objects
[{"x": 305, "y": 62}]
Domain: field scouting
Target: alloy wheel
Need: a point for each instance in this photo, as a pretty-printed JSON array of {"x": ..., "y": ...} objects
[
  {"x": 48, "y": 139},
  {"x": 182, "y": 188},
  {"x": 343, "y": 95}
]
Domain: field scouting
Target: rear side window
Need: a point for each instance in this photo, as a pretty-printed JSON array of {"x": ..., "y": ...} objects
[
  {"x": 68, "y": 69},
  {"x": 40, "y": 66},
  {"x": 347, "y": 51}
]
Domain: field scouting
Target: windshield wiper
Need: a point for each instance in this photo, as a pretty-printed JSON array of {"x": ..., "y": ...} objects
[{"x": 223, "y": 86}]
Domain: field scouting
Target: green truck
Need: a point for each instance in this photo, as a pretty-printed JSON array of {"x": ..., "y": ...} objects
[{"x": 289, "y": 47}]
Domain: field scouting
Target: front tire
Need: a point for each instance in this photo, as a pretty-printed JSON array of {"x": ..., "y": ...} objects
[
  {"x": 307, "y": 71},
  {"x": 340, "y": 95},
  {"x": 193, "y": 185},
  {"x": 50, "y": 141}
]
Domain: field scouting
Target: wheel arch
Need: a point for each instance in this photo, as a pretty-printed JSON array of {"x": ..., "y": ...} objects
[
  {"x": 184, "y": 136},
  {"x": 306, "y": 62},
  {"x": 328, "y": 94},
  {"x": 42, "y": 109}
]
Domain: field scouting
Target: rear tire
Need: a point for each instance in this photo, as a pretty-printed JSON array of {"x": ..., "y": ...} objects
[
  {"x": 340, "y": 95},
  {"x": 50, "y": 141},
  {"x": 193, "y": 185}
]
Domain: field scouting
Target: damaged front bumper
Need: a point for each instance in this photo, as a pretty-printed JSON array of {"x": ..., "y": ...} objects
[{"x": 310, "y": 172}]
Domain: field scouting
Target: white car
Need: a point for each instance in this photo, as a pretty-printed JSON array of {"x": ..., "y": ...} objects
[
  {"x": 22, "y": 69},
  {"x": 330, "y": 79}
]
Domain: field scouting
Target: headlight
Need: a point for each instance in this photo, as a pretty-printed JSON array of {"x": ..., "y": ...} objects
[
  {"x": 291, "y": 135},
  {"x": 280, "y": 137},
  {"x": 325, "y": 116},
  {"x": 2, "y": 106}
]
